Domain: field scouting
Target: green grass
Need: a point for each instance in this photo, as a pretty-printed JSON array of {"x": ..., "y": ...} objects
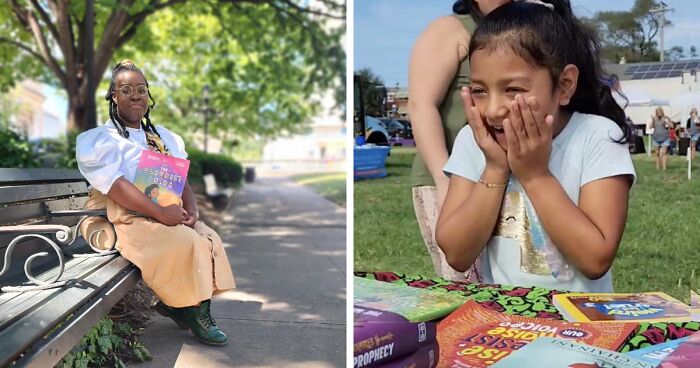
[
  {"x": 660, "y": 249},
  {"x": 329, "y": 185}
]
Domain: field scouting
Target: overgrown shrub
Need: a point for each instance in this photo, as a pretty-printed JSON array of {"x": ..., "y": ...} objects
[{"x": 228, "y": 172}]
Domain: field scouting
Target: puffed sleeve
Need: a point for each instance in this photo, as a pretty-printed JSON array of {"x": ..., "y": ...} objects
[{"x": 99, "y": 159}]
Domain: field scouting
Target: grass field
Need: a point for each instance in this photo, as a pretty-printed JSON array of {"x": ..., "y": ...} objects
[
  {"x": 660, "y": 249},
  {"x": 329, "y": 185}
]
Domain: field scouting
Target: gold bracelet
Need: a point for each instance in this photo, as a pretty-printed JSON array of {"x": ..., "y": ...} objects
[{"x": 493, "y": 185}]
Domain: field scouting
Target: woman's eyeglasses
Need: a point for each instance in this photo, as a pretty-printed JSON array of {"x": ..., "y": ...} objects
[{"x": 128, "y": 90}]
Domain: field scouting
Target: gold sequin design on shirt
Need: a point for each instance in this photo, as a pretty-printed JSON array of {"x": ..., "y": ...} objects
[{"x": 513, "y": 223}]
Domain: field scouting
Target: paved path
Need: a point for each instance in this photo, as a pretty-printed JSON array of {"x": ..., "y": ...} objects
[{"x": 287, "y": 249}]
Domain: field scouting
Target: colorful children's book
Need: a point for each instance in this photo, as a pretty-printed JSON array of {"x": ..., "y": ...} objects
[
  {"x": 656, "y": 353},
  {"x": 417, "y": 305},
  {"x": 161, "y": 178},
  {"x": 686, "y": 355},
  {"x": 547, "y": 352},
  {"x": 381, "y": 337},
  {"x": 641, "y": 307},
  {"x": 425, "y": 357},
  {"x": 477, "y": 337}
]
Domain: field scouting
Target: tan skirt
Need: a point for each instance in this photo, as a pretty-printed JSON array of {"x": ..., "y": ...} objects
[
  {"x": 182, "y": 265},
  {"x": 425, "y": 203}
]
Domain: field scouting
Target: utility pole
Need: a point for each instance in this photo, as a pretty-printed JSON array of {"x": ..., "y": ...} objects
[{"x": 661, "y": 10}]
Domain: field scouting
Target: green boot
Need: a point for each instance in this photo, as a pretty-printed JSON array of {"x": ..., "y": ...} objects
[
  {"x": 201, "y": 324},
  {"x": 173, "y": 313}
]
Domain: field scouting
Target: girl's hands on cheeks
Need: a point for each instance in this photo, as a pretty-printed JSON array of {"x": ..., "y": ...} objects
[
  {"x": 496, "y": 158},
  {"x": 529, "y": 135}
]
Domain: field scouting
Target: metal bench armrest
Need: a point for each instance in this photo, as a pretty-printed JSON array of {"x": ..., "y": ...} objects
[{"x": 65, "y": 236}]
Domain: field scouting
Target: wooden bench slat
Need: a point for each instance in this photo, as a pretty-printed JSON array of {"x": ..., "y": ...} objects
[
  {"x": 76, "y": 268},
  {"x": 38, "y": 175},
  {"x": 26, "y": 193},
  {"x": 35, "y": 324},
  {"x": 21, "y": 213}
]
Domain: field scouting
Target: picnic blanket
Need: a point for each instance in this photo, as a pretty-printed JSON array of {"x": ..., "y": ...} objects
[{"x": 532, "y": 302}]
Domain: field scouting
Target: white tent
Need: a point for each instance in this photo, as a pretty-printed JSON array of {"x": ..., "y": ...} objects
[
  {"x": 682, "y": 104},
  {"x": 638, "y": 97}
]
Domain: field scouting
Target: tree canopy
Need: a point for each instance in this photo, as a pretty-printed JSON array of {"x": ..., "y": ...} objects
[{"x": 266, "y": 61}]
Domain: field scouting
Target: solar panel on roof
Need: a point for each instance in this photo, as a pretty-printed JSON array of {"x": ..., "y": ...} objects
[
  {"x": 667, "y": 67},
  {"x": 675, "y": 73},
  {"x": 632, "y": 69},
  {"x": 693, "y": 64},
  {"x": 664, "y": 74},
  {"x": 637, "y": 75},
  {"x": 654, "y": 67},
  {"x": 643, "y": 68}
]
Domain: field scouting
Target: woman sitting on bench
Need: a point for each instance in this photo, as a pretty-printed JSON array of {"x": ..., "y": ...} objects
[{"x": 180, "y": 258}]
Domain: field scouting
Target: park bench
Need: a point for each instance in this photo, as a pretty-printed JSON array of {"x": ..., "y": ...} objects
[
  {"x": 219, "y": 197},
  {"x": 71, "y": 284}
]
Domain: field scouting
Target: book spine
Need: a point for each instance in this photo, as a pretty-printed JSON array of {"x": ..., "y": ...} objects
[
  {"x": 426, "y": 356},
  {"x": 379, "y": 342}
]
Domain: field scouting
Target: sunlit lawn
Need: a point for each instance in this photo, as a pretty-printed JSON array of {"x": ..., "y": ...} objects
[
  {"x": 329, "y": 185},
  {"x": 659, "y": 252}
]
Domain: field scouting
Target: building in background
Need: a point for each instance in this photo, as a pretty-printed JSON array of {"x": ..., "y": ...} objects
[
  {"x": 396, "y": 103},
  {"x": 34, "y": 115}
]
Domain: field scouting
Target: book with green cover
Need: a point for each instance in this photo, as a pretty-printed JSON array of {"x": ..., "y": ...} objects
[
  {"x": 640, "y": 307},
  {"x": 547, "y": 352},
  {"x": 417, "y": 305}
]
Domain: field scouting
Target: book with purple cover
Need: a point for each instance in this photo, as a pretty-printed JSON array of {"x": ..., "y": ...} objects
[
  {"x": 161, "y": 178},
  {"x": 381, "y": 337},
  {"x": 425, "y": 357}
]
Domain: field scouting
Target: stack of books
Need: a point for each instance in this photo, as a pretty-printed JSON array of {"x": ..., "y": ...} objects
[{"x": 392, "y": 325}]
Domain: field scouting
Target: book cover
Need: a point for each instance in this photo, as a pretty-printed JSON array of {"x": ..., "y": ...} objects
[
  {"x": 547, "y": 352},
  {"x": 686, "y": 355},
  {"x": 640, "y": 307},
  {"x": 381, "y": 336},
  {"x": 477, "y": 337},
  {"x": 425, "y": 357},
  {"x": 417, "y": 305},
  {"x": 161, "y": 178},
  {"x": 656, "y": 353}
]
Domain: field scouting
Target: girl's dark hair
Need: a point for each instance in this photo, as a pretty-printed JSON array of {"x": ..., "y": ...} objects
[
  {"x": 552, "y": 39},
  {"x": 150, "y": 188},
  {"x": 467, "y": 7},
  {"x": 127, "y": 66}
]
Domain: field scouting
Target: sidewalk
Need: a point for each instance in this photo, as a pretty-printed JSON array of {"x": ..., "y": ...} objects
[{"x": 287, "y": 249}]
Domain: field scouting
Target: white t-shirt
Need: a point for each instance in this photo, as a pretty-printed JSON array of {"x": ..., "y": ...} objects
[
  {"x": 583, "y": 151},
  {"x": 103, "y": 155}
]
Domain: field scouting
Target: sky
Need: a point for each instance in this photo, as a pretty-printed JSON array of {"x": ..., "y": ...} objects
[{"x": 385, "y": 30}]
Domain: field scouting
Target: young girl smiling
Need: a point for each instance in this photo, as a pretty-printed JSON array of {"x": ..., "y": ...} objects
[{"x": 539, "y": 180}]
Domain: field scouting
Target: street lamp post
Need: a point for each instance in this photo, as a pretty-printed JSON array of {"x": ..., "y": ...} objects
[{"x": 205, "y": 93}]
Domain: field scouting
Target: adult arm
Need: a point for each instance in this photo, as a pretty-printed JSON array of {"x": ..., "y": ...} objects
[
  {"x": 189, "y": 202},
  {"x": 128, "y": 196},
  {"x": 434, "y": 62}
]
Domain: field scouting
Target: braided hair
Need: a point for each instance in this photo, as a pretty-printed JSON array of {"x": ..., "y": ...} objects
[{"x": 124, "y": 66}]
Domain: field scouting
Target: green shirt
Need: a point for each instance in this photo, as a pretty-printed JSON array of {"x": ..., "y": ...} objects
[{"x": 452, "y": 112}]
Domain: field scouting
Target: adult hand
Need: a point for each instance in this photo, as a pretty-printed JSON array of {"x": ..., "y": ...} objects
[
  {"x": 496, "y": 157},
  {"x": 529, "y": 135},
  {"x": 191, "y": 218},
  {"x": 172, "y": 215}
]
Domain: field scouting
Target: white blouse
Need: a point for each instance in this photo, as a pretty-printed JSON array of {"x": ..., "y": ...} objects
[{"x": 103, "y": 155}]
